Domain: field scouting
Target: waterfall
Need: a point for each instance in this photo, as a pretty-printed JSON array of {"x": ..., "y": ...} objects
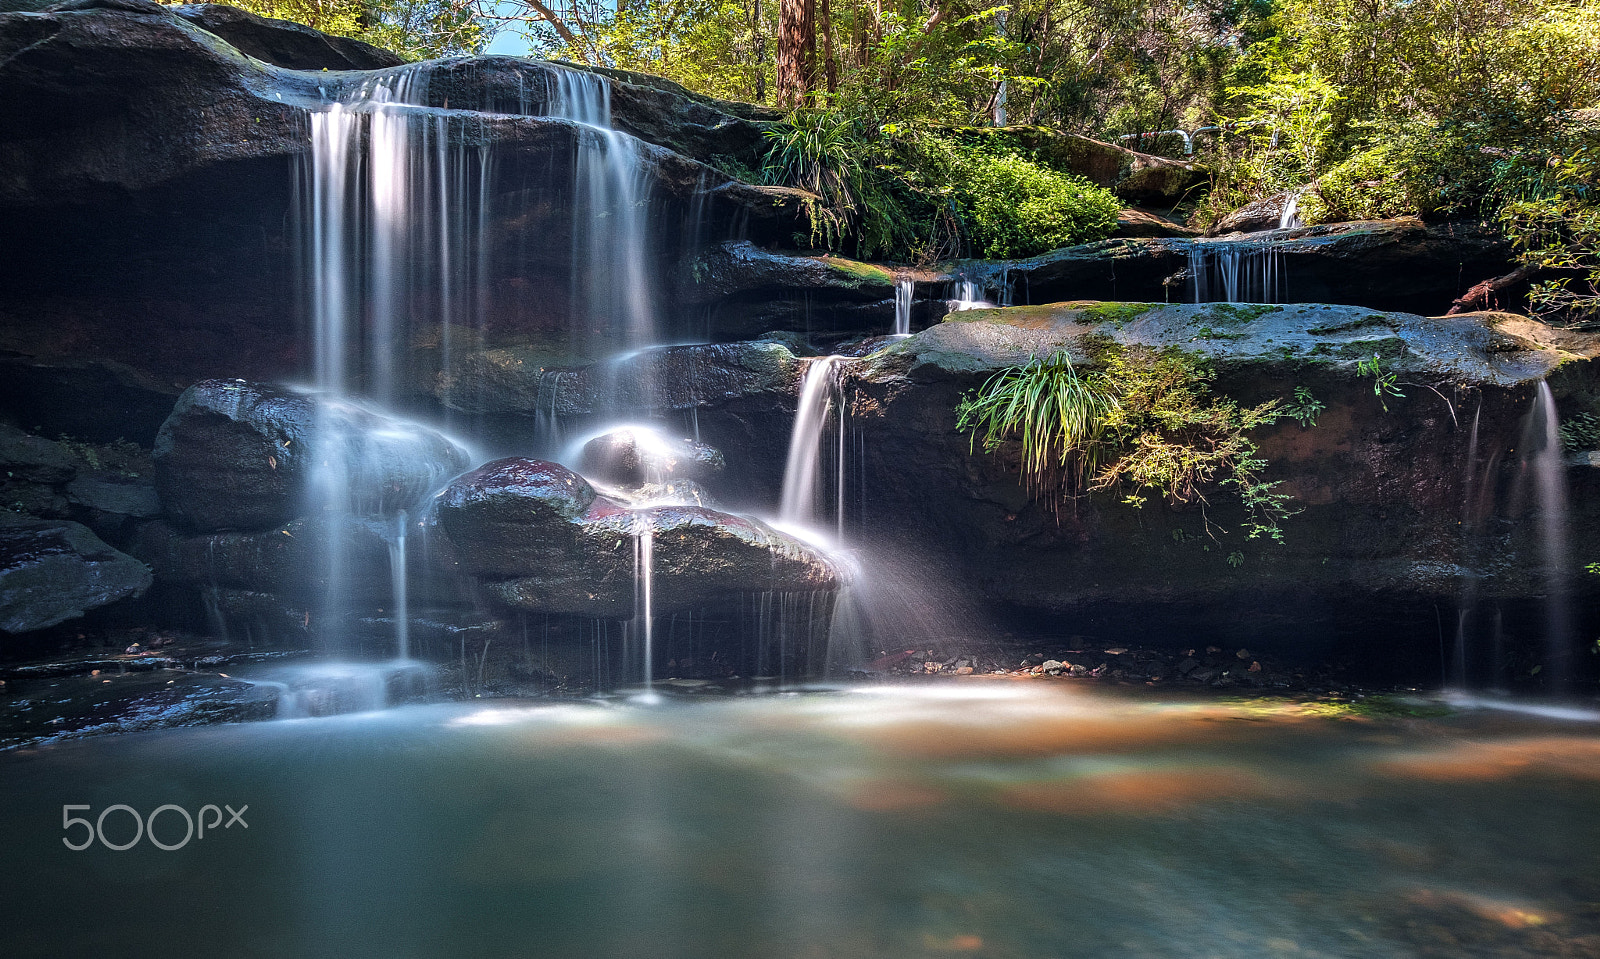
[
  {"x": 905, "y": 290},
  {"x": 644, "y": 607},
  {"x": 1541, "y": 443},
  {"x": 1236, "y": 271},
  {"x": 802, "y": 471},
  {"x": 392, "y": 194},
  {"x": 611, "y": 250}
]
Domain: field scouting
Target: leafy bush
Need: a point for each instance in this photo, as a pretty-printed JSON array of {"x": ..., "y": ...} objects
[
  {"x": 1146, "y": 424},
  {"x": 901, "y": 191},
  {"x": 1372, "y": 185},
  {"x": 1011, "y": 206}
]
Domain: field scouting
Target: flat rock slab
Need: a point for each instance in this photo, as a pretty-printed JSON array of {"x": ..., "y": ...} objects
[
  {"x": 55, "y": 570},
  {"x": 1468, "y": 349}
]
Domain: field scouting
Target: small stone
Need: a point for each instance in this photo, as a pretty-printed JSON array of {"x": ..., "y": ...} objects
[
  {"x": 1051, "y": 665},
  {"x": 1187, "y": 665},
  {"x": 1116, "y": 651},
  {"x": 964, "y": 671},
  {"x": 1203, "y": 675},
  {"x": 1243, "y": 654},
  {"x": 1255, "y": 667},
  {"x": 1079, "y": 669},
  {"x": 1213, "y": 649}
]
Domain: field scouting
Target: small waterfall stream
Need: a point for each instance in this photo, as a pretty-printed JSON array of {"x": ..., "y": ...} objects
[
  {"x": 1236, "y": 271},
  {"x": 905, "y": 291},
  {"x": 1542, "y": 456}
]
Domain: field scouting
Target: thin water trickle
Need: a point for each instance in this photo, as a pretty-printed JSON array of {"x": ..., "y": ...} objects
[{"x": 1542, "y": 446}]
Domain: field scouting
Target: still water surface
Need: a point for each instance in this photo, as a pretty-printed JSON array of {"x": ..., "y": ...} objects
[{"x": 982, "y": 819}]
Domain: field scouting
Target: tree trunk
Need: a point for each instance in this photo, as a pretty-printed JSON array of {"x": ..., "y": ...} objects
[
  {"x": 797, "y": 43},
  {"x": 825, "y": 27}
]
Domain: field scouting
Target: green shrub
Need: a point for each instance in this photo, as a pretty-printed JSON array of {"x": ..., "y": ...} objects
[
  {"x": 1011, "y": 206},
  {"x": 1375, "y": 184},
  {"x": 1146, "y": 424}
]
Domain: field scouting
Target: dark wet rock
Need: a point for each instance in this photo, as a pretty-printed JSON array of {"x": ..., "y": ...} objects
[
  {"x": 747, "y": 291},
  {"x": 54, "y": 570},
  {"x": 50, "y": 710},
  {"x": 511, "y": 515},
  {"x": 634, "y": 456},
  {"x": 133, "y": 497},
  {"x": 673, "y": 493},
  {"x": 239, "y": 455},
  {"x": 1381, "y": 538},
  {"x": 34, "y": 459},
  {"x": 285, "y": 43},
  {"x": 1385, "y": 265},
  {"x": 664, "y": 378},
  {"x": 289, "y": 561},
  {"x": 540, "y": 539}
]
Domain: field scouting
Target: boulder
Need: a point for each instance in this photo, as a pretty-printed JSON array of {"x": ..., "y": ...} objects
[
  {"x": 236, "y": 455},
  {"x": 55, "y": 570},
  {"x": 1380, "y": 483},
  {"x": 540, "y": 539},
  {"x": 1264, "y": 214},
  {"x": 284, "y": 43},
  {"x": 633, "y": 456}
]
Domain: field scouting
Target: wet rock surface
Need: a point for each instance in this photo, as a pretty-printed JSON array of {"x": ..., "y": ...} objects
[
  {"x": 539, "y": 538},
  {"x": 1383, "y": 265},
  {"x": 239, "y": 456},
  {"x": 1386, "y": 531},
  {"x": 52, "y": 571},
  {"x": 634, "y": 457}
]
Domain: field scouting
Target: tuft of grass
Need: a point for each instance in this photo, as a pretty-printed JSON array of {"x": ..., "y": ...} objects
[{"x": 1059, "y": 417}]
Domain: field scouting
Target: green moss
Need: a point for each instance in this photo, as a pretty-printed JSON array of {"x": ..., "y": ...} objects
[
  {"x": 1350, "y": 326},
  {"x": 1236, "y": 313},
  {"x": 1095, "y": 311},
  {"x": 863, "y": 272}
]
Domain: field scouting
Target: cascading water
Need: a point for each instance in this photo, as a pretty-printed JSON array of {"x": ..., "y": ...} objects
[
  {"x": 905, "y": 291},
  {"x": 1541, "y": 444},
  {"x": 611, "y": 262},
  {"x": 1236, "y": 271},
  {"x": 802, "y": 472}
]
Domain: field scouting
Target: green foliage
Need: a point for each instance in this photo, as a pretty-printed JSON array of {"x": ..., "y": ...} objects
[
  {"x": 1147, "y": 424},
  {"x": 1580, "y": 432},
  {"x": 1555, "y": 225},
  {"x": 1304, "y": 408},
  {"x": 904, "y": 191},
  {"x": 1384, "y": 384},
  {"x": 1011, "y": 206},
  {"x": 1059, "y": 417},
  {"x": 1374, "y": 184}
]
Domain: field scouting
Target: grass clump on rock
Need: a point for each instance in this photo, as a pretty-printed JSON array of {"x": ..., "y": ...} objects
[{"x": 1145, "y": 424}]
